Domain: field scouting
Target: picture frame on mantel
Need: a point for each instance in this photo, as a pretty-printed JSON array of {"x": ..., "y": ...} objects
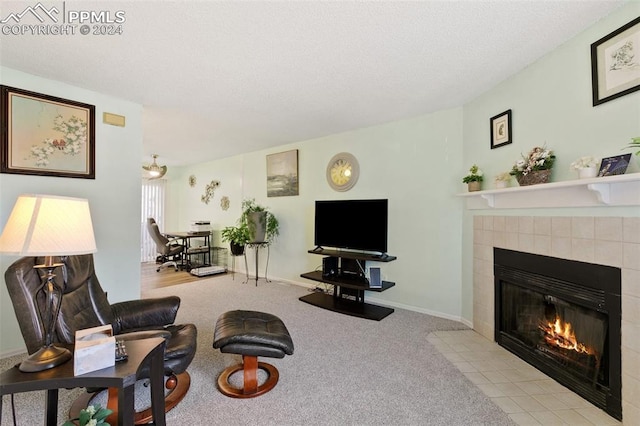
[
  {"x": 613, "y": 166},
  {"x": 615, "y": 63},
  {"x": 501, "y": 133},
  {"x": 46, "y": 135}
]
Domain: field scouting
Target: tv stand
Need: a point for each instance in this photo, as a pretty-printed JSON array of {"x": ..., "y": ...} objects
[{"x": 348, "y": 291}]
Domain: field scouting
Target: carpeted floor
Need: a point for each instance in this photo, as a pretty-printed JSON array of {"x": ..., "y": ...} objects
[{"x": 345, "y": 370}]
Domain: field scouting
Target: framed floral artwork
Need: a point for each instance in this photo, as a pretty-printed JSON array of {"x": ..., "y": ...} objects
[
  {"x": 46, "y": 136},
  {"x": 615, "y": 63},
  {"x": 500, "y": 129}
]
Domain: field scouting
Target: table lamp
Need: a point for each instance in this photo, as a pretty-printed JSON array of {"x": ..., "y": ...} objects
[{"x": 48, "y": 225}]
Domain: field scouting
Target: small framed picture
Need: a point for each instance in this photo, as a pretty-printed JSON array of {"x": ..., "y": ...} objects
[
  {"x": 614, "y": 63},
  {"x": 501, "y": 129},
  {"x": 616, "y": 165}
]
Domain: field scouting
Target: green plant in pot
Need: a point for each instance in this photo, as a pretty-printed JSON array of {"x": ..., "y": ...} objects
[
  {"x": 473, "y": 179},
  {"x": 635, "y": 145},
  {"x": 237, "y": 236},
  {"x": 261, "y": 223}
]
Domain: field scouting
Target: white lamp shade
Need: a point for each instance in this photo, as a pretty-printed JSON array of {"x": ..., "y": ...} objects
[{"x": 48, "y": 225}]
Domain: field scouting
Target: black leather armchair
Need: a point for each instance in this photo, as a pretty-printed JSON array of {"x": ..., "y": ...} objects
[{"x": 84, "y": 304}]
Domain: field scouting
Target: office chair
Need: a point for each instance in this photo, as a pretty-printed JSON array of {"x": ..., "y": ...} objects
[
  {"x": 169, "y": 250},
  {"x": 84, "y": 304}
]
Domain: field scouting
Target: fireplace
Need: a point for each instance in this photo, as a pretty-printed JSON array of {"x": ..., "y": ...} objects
[{"x": 562, "y": 317}]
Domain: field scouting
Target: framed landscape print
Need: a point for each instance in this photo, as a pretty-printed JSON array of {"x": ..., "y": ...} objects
[
  {"x": 282, "y": 174},
  {"x": 501, "y": 129},
  {"x": 615, "y": 63},
  {"x": 46, "y": 136}
]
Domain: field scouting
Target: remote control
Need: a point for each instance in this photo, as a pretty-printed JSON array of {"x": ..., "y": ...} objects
[{"x": 121, "y": 351}]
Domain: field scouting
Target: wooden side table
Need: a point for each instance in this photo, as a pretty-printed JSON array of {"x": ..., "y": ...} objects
[{"x": 122, "y": 376}]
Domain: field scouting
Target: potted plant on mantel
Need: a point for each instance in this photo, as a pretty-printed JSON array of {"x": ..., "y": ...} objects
[
  {"x": 635, "y": 144},
  {"x": 502, "y": 180},
  {"x": 237, "y": 236},
  {"x": 535, "y": 168},
  {"x": 262, "y": 224},
  {"x": 587, "y": 167},
  {"x": 473, "y": 179}
]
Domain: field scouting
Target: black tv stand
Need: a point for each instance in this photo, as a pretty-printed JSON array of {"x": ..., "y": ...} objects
[{"x": 348, "y": 292}]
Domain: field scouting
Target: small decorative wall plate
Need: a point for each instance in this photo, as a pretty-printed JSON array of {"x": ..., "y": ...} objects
[
  {"x": 224, "y": 203},
  {"x": 192, "y": 181}
]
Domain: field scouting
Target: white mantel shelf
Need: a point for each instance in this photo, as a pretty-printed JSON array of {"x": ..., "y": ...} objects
[{"x": 623, "y": 190}]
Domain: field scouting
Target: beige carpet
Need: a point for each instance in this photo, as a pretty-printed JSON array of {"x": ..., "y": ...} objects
[{"x": 345, "y": 370}]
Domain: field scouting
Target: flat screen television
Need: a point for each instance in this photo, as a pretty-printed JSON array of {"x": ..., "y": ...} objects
[{"x": 352, "y": 224}]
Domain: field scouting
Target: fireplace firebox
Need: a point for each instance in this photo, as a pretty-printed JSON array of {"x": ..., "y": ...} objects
[{"x": 562, "y": 317}]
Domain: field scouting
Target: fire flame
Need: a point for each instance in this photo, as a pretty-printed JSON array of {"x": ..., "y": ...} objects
[{"x": 561, "y": 334}]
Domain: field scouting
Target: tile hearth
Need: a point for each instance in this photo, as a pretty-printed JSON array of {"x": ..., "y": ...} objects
[{"x": 527, "y": 395}]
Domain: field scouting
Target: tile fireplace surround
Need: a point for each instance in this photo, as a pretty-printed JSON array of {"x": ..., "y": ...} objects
[{"x": 612, "y": 241}]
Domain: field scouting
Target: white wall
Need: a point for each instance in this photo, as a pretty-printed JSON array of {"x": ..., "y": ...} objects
[
  {"x": 114, "y": 196},
  {"x": 415, "y": 163},
  {"x": 551, "y": 103}
]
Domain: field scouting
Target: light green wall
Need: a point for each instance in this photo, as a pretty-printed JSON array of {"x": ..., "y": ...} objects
[
  {"x": 415, "y": 163},
  {"x": 114, "y": 196},
  {"x": 551, "y": 103}
]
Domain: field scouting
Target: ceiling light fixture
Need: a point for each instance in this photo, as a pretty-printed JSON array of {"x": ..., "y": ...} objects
[{"x": 155, "y": 171}]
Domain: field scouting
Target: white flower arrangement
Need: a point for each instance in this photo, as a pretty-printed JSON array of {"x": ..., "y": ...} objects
[
  {"x": 503, "y": 177},
  {"x": 585, "y": 163},
  {"x": 93, "y": 415},
  {"x": 539, "y": 158}
]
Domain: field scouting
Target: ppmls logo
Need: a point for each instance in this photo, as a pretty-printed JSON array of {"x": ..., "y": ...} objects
[
  {"x": 38, "y": 11},
  {"x": 58, "y": 20}
]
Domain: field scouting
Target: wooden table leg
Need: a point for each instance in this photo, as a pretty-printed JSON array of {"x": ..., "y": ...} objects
[
  {"x": 157, "y": 386},
  {"x": 126, "y": 407}
]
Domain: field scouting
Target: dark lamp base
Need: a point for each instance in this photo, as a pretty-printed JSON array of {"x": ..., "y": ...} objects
[{"x": 45, "y": 358}]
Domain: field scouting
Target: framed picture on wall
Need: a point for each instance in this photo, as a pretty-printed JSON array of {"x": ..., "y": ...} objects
[
  {"x": 46, "y": 136},
  {"x": 282, "y": 174},
  {"x": 615, "y": 63},
  {"x": 501, "y": 129}
]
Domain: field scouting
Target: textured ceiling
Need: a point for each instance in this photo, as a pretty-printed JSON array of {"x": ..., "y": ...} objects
[{"x": 221, "y": 78}]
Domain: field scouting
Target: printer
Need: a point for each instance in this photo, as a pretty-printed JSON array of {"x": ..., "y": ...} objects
[{"x": 200, "y": 226}]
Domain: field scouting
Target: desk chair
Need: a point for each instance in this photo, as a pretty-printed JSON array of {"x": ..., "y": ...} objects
[{"x": 169, "y": 250}]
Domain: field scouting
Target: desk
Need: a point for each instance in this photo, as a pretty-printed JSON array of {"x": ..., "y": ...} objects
[
  {"x": 122, "y": 376},
  {"x": 257, "y": 246},
  {"x": 186, "y": 237}
]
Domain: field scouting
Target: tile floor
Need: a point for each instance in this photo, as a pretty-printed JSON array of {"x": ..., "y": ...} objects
[{"x": 527, "y": 395}]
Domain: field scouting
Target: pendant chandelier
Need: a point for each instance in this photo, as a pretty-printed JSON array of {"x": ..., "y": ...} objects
[{"x": 154, "y": 170}]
